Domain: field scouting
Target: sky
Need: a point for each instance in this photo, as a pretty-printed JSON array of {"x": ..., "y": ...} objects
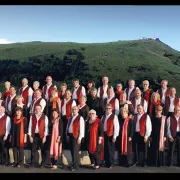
[{"x": 89, "y": 23}]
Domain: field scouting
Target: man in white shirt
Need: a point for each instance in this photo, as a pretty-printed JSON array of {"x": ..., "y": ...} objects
[
  {"x": 171, "y": 101},
  {"x": 78, "y": 91},
  {"x": 142, "y": 132},
  {"x": 66, "y": 106},
  {"x": 26, "y": 92},
  {"x": 37, "y": 100},
  {"x": 46, "y": 89},
  {"x": 112, "y": 100},
  {"x": 111, "y": 131},
  {"x": 102, "y": 90},
  {"x": 74, "y": 134},
  {"x": 5, "y": 127},
  {"x": 163, "y": 91},
  {"x": 130, "y": 91},
  {"x": 11, "y": 100},
  {"x": 37, "y": 131},
  {"x": 139, "y": 100},
  {"x": 173, "y": 133}
]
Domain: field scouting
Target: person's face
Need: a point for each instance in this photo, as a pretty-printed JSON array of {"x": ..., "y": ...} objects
[
  {"x": 140, "y": 110},
  {"x": 108, "y": 110},
  {"x": 110, "y": 93},
  {"x": 76, "y": 84},
  {"x": 122, "y": 97},
  {"x": 177, "y": 112},
  {"x": 18, "y": 113},
  {"x": 68, "y": 94},
  {"x": 154, "y": 98},
  {"x": 35, "y": 86},
  {"x": 93, "y": 93},
  {"x": 105, "y": 81},
  {"x": 38, "y": 94},
  {"x": 138, "y": 93},
  {"x": 12, "y": 91},
  {"x": 38, "y": 110},
  {"x": 164, "y": 84},
  {"x": 131, "y": 84},
  {"x": 90, "y": 85},
  {"x": 48, "y": 80},
  {"x": 55, "y": 114},
  {"x": 24, "y": 82},
  {"x": 119, "y": 87},
  {"x": 124, "y": 113},
  {"x": 63, "y": 88},
  {"x": 92, "y": 116},
  {"x": 7, "y": 85},
  {"x": 158, "y": 112},
  {"x": 83, "y": 100},
  {"x": 172, "y": 92},
  {"x": 75, "y": 111},
  {"x": 146, "y": 84},
  {"x": 53, "y": 93},
  {"x": 19, "y": 101}
]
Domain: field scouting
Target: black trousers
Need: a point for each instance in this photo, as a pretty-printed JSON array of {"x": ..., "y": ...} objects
[
  {"x": 172, "y": 146},
  {"x": 4, "y": 150},
  {"x": 140, "y": 146},
  {"x": 95, "y": 158},
  {"x": 64, "y": 142},
  {"x": 37, "y": 143},
  {"x": 109, "y": 150},
  {"x": 74, "y": 147},
  {"x": 18, "y": 153},
  {"x": 125, "y": 159}
]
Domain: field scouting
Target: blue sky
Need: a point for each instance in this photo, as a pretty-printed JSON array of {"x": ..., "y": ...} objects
[{"x": 89, "y": 23}]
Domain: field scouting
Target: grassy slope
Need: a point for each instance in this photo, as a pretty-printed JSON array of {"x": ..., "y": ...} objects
[{"x": 112, "y": 59}]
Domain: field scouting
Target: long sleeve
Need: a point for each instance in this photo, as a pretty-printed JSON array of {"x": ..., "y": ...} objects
[
  {"x": 60, "y": 128},
  {"x": 98, "y": 92},
  {"x": 101, "y": 108},
  {"x": 87, "y": 113},
  {"x": 116, "y": 107},
  {"x": 25, "y": 126},
  {"x": 30, "y": 127},
  {"x": 100, "y": 129},
  {"x": 81, "y": 132},
  {"x": 46, "y": 126},
  {"x": 165, "y": 128},
  {"x": 148, "y": 127},
  {"x": 25, "y": 111},
  {"x": 30, "y": 95},
  {"x": 116, "y": 127},
  {"x": 168, "y": 128},
  {"x": 59, "y": 104},
  {"x": 83, "y": 91},
  {"x": 145, "y": 106},
  {"x": 43, "y": 104},
  {"x": 131, "y": 128},
  {"x": 8, "y": 126}
]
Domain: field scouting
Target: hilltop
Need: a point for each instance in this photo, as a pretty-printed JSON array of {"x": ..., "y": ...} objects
[{"x": 121, "y": 60}]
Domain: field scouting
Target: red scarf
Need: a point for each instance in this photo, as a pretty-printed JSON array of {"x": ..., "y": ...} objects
[
  {"x": 161, "y": 140},
  {"x": 124, "y": 136},
  {"x": 93, "y": 136},
  {"x": 54, "y": 101},
  {"x": 157, "y": 103},
  {"x": 17, "y": 121}
]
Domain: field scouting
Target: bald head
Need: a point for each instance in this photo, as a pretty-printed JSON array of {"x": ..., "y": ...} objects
[{"x": 24, "y": 82}]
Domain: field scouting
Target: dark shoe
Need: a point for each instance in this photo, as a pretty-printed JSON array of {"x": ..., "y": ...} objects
[
  {"x": 31, "y": 165},
  {"x": 144, "y": 165},
  {"x": 127, "y": 166},
  {"x": 170, "y": 165}
]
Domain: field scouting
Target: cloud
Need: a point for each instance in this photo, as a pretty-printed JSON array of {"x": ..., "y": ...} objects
[{"x": 5, "y": 41}]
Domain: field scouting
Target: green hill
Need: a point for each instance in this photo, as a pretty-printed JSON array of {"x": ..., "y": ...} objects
[{"x": 121, "y": 60}]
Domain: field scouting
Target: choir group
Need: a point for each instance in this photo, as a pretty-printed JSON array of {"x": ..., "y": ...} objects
[{"x": 99, "y": 121}]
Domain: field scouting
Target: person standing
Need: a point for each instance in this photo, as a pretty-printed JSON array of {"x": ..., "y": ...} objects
[{"x": 6, "y": 93}]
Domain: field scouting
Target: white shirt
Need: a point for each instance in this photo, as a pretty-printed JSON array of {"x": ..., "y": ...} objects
[
  {"x": 116, "y": 125},
  {"x": 74, "y": 95},
  {"x": 137, "y": 102},
  {"x": 8, "y": 106},
  {"x": 129, "y": 92},
  {"x": 163, "y": 95},
  {"x": 105, "y": 91},
  {"x": 168, "y": 126},
  {"x": 116, "y": 105},
  {"x": 8, "y": 124},
  {"x": 37, "y": 128},
  {"x": 42, "y": 103},
  {"x": 171, "y": 106},
  {"x": 64, "y": 106},
  {"x": 81, "y": 128},
  {"x": 148, "y": 125},
  {"x": 47, "y": 95},
  {"x": 30, "y": 95}
]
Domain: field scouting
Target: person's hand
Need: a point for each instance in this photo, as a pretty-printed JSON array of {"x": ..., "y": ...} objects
[
  {"x": 31, "y": 139},
  {"x": 164, "y": 138},
  {"x": 171, "y": 139},
  {"x": 5, "y": 138},
  {"x": 114, "y": 140},
  {"x": 25, "y": 138},
  {"x": 145, "y": 140},
  {"x": 44, "y": 139},
  {"x": 130, "y": 139},
  {"x": 58, "y": 139},
  {"x": 78, "y": 141}
]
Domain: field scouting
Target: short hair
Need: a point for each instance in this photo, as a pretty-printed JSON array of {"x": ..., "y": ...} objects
[
  {"x": 56, "y": 110},
  {"x": 132, "y": 80},
  {"x": 92, "y": 111},
  {"x": 93, "y": 89},
  {"x": 39, "y": 106},
  {"x": 157, "y": 108},
  {"x": 108, "y": 105},
  {"x": 145, "y": 80},
  {"x": 164, "y": 80},
  {"x": 75, "y": 107},
  {"x": 75, "y": 79},
  {"x": 54, "y": 89},
  {"x": 140, "y": 105},
  {"x": 19, "y": 109},
  {"x": 7, "y": 82},
  {"x": 105, "y": 77},
  {"x": 84, "y": 97},
  {"x": 13, "y": 87},
  {"x": 36, "y": 82},
  {"x": 68, "y": 90},
  {"x": 25, "y": 79},
  {"x": 172, "y": 88},
  {"x": 63, "y": 84},
  {"x": 91, "y": 81},
  {"x": 19, "y": 97},
  {"x": 123, "y": 108},
  {"x": 38, "y": 90}
]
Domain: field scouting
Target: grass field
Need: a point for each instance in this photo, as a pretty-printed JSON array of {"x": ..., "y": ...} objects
[{"x": 121, "y": 60}]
